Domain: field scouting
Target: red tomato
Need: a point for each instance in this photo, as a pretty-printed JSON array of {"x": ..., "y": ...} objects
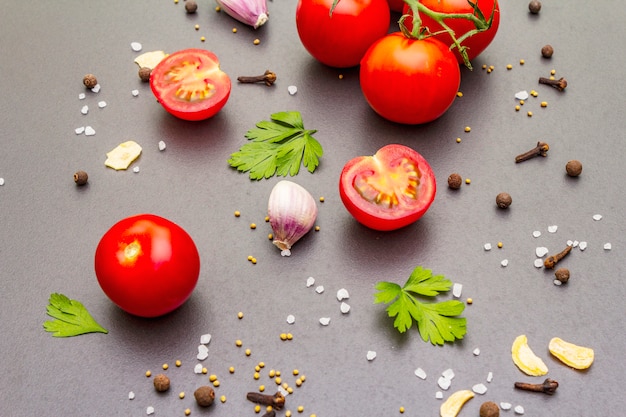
[
  {"x": 389, "y": 190},
  {"x": 190, "y": 84},
  {"x": 341, "y": 40},
  {"x": 409, "y": 81},
  {"x": 147, "y": 265},
  {"x": 475, "y": 44},
  {"x": 396, "y": 5}
]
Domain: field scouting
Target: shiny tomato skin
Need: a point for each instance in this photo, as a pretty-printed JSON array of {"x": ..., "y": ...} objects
[
  {"x": 475, "y": 44},
  {"x": 147, "y": 265},
  {"x": 341, "y": 40},
  {"x": 396, "y": 5},
  {"x": 395, "y": 170},
  {"x": 180, "y": 80},
  {"x": 409, "y": 81}
]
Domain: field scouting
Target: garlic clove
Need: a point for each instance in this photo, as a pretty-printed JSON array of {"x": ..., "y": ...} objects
[
  {"x": 250, "y": 12},
  {"x": 292, "y": 212}
]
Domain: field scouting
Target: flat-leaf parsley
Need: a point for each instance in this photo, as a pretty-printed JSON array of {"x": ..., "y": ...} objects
[
  {"x": 278, "y": 147},
  {"x": 72, "y": 318},
  {"x": 437, "y": 322}
]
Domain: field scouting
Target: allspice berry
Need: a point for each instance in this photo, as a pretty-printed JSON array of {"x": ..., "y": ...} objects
[
  {"x": 161, "y": 383},
  {"x": 489, "y": 409},
  {"x": 191, "y": 6},
  {"x": 574, "y": 168},
  {"x": 80, "y": 177},
  {"x": 503, "y": 200},
  {"x": 547, "y": 51},
  {"x": 534, "y": 6},
  {"x": 562, "y": 275},
  {"x": 204, "y": 396},
  {"x": 144, "y": 74},
  {"x": 455, "y": 181},
  {"x": 90, "y": 81}
]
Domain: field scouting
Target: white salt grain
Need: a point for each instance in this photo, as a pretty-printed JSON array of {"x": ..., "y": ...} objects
[
  {"x": 439, "y": 395},
  {"x": 102, "y": 104},
  {"x": 150, "y": 410},
  {"x": 448, "y": 374},
  {"x": 538, "y": 263},
  {"x": 597, "y": 217},
  {"x": 325, "y": 321},
  {"x": 197, "y": 369},
  {"x": 444, "y": 383},
  {"x": 291, "y": 319},
  {"x": 79, "y": 130},
  {"x": 487, "y": 246},
  {"x": 135, "y": 93},
  {"x": 582, "y": 245},
  {"x": 371, "y": 355},
  {"x": 131, "y": 395},
  {"x": 89, "y": 131},
  {"x": 541, "y": 251},
  {"x": 457, "y": 289},
  {"x": 84, "y": 109},
  {"x": 162, "y": 145},
  {"x": 557, "y": 282},
  {"x": 504, "y": 262},
  {"x": 490, "y": 376},
  {"x": 420, "y": 373},
  {"x": 81, "y": 96},
  {"x": 607, "y": 246},
  {"x": 519, "y": 409},
  {"x": 345, "y": 307},
  {"x": 205, "y": 339},
  {"x": 553, "y": 228},
  {"x": 1, "y": 182},
  {"x": 136, "y": 46},
  {"x": 282, "y": 391},
  {"x": 202, "y": 355},
  {"x": 476, "y": 352},
  {"x": 536, "y": 233},
  {"x": 479, "y": 389},
  {"x": 505, "y": 406},
  {"x": 96, "y": 89},
  {"x": 310, "y": 281},
  {"x": 319, "y": 289},
  {"x": 292, "y": 89},
  {"x": 521, "y": 95},
  {"x": 342, "y": 294},
  {"x": 136, "y": 170}
]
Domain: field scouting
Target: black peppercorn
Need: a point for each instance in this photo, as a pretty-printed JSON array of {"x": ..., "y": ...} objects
[
  {"x": 503, "y": 200},
  {"x": 204, "y": 396},
  {"x": 574, "y": 168},
  {"x": 191, "y": 6},
  {"x": 534, "y": 6},
  {"x": 562, "y": 275},
  {"x": 489, "y": 409},
  {"x": 455, "y": 181},
  {"x": 144, "y": 74},
  {"x": 90, "y": 81},
  {"x": 161, "y": 383},
  {"x": 547, "y": 51},
  {"x": 80, "y": 177}
]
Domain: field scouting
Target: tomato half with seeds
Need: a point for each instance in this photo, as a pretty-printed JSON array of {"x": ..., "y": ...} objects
[
  {"x": 190, "y": 85},
  {"x": 389, "y": 190},
  {"x": 147, "y": 265}
]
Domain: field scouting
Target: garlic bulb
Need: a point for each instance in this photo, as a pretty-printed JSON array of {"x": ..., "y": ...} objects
[
  {"x": 250, "y": 12},
  {"x": 292, "y": 212}
]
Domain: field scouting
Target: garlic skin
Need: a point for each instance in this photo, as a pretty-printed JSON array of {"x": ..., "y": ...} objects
[
  {"x": 292, "y": 212},
  {"x": 250, "y": 12}
]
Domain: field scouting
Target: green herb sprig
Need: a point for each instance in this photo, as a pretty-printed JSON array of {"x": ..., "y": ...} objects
[
  {"x": 72, "y": 318},
  {"x": 278, "y": 147},
  {"x": 437, "y": 322}
]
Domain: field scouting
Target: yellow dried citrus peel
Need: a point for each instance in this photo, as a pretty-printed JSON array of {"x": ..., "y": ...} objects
[
  {"x": 150, "y": 59},
  {"x": 123, "y": 155},
  {"x": 578, "y": 357},
  {"x": 525, "y": 358},
  {"x": 452, "y": 406}
]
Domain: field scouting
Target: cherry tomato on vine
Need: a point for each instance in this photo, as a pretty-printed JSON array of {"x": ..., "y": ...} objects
[
  {"x": 396, "y": 5},
  {"x": 341, "y": 40},
  {"x": 389, "y": 190},
  {"x": 147, "y": 265},
  {"x": 190, "y": 85},
  {"x": 476, "y": 43},
  {"x": 409, "y": 81}
]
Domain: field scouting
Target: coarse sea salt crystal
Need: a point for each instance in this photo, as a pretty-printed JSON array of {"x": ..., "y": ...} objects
[
  {"x": 521, "y": 95},
  {"x": 457, "y": 289},
  {"x": 292, "y": 89},
  {"x": 476, "y": 352},
  {"x": 325, "y": 321},
  {"x": 487, "y": 246},
  {"x": 319, "y": 289},
  {"x": 89, "y": 131},
  {"x": 519, "y": 409},
  {"x": 202, "y": 355},
  {"x": 81, "y": 96},
  {"x": 131, "y": 395},
  {"x": 541, "y": 251},
  {"x": 197, "y": 369},
  {"x": 205, "y": 339},
  {"x": 538, "y": 263},
  {"x": 448, "y": 374},
  {"x": 136, "y": 170},
  {"x": 597, "y": 217},
  {"x": 504, "y": 262},
  {"x": 135, "y": 93},
  {"x": 84, "y": 109},
  {"x": 371, "y": 355},
  {"x": 607, "y": 246},
  {"x": 291, "y": 319},
  {"x": 1, "y": 182},
  {"x": 505, "y": 406},
  {"x": 444, "y": 383},
  {"x": 79, "y": 130},
  {"x": 553, "y": 228},
  {"x": 96, "y": 88},
  {"x": 536, "y": 233},
  {"x": 557, "y": 282},
  {"x": 479, "y": 389},
  {"x": 582, "y": 245},
  {"x": 162, "y": 145},
  {"x": 102, "y": 104},
  {"x": 342, "y": 294},
  {"x": 150, "y": 410},
  {"x": 490, "y": 376},
  {"x": 345, "y": 307},
  {"x": 135, "y": 46},
  {"x": 439, "y": 395},
  {"x": 310, "y": 281},
  {"x": 420, "y": 373}
]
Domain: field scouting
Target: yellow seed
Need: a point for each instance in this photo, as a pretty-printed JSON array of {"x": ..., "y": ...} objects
[
  {"x": 298, "y": 382},
  {"x": 165, "y": 366},
  {"x": 285, "y": 385},
  {"x": 530, "y": 114},
  {"x": 175, "y": 1},
  {"x": 256, "y": 41},
  {"x": 257, "y": 368},
  {"x": 268, "y": 408},
  {"x": 467, "y": 128},
  {"x": 300, "y": 408},
  {"x": 261, "y": 388},
  {"x": 295, "y": 372},
  {"x": 223, "y": 398},
  {"x": 181, "y": 395},
  {"x": 218, "y": 9},
  {"x": 289, "y": 390},
  {"x": 484, "y": 66},
  {"x": 552, "y": 72},
  {"x": 401, "y": 409},
  {"x": 288, "y": 413},
  {"x": 289, "y": 336},
  {"x": 317, "y": 228},
  {"x": 521, "y": 62},
  {"x": 253, "y": 260},
  {"x": 240, "y": 315},
  {"x": 459, "y": 94},
  {"x": 509, "y": 66},
  {"x": 250, "y": 257},
  {"x": 489, "y": 70},
  {"x": 178, "y": 363},
  {"x": 500, "y": 244},
  {"x": 470, "y": 301},
  {"x": 234, "y": 30},
  {"x": 267, "y": 219},
  {"x": 252, "y": 225},
  {"x": 552, "y": 77},
  {"x": 458, "y": 140},
  {"x": 321, "y": 199},
  {"x": 303, "y": 377},
  {"x": 261, "y": 364},
  {"x": 204, "y": 371},
  {"x": 270, "y": 236},
  {"x": 257, "y": 408},
  {"x": 216, "y": 383},
  {"x": 283, "y": 336},
  {"x": 231, "y": 369},
  {"x": 238, "y": 343},
  {"x": 544, "y": 104},
  {"x": 237, "y": 213},
  {"x": 187, "y": 411},
  {"x": 341, "y": 76},
  {"x": 521, "y": 102},
  {"x": 256, "y": 375},
  {"x": 534, "y": 93},
  {"x": 491, "y": 67},
  {"x": 148, "y": 374},
  {"x": 468, "y": 181},
  {"x": 202, "y": 39},
  {"x": 272, "y": 373},
  {"x": 278, "y": 381},
  {"x": 212, "y": 377},
  {"x": 197, "y": 27},
  {"x": 517, "y": 108},
  {"x": 277, "y": 373},
  {"x": 248, "y": 352}
]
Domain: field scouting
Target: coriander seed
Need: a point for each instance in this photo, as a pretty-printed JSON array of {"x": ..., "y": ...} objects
[
  {"x": 574, "y": 168},
  {"x": 80, "y": 177},
  {"x": 489, "y": 409},
  {"x": 191, "y": 6},
  {"x": 205, "y": 395},
  {"x": 454, "y": 181},
  {"x": 144, "y": 74},
  {"x": 90, "y": 81},
  {"x": 547, "y": 51},
  {"x": 161, "y": 383},
  {"x": 534, "y": 6},
  {"x": 503, "y": 200}
]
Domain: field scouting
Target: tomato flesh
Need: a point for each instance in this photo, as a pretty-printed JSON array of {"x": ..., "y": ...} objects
[
  {"x": 190, "y": 85},
  {"x": 389, "y": 190},
  {"x": 475, "y": 44},
  {"x": 342, "y": 39},
  {"x": 147, "y": 265},
  {"x": 409, "y": 81}
]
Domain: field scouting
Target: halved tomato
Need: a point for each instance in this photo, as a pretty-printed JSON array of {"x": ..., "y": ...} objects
[
  {"x": 389, "y": 190},
  {"x": 190, "y": 85}
]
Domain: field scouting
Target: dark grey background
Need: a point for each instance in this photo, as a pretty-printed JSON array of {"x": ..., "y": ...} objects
[{"x": 49, "y": 228}]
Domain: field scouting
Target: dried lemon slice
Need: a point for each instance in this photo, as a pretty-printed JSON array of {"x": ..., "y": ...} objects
[
  {"x": 525, "y": 359},
  {"x": 454, "y": 403},
  {"x": 578, "y": 357},
  {"x": 150, "y": 59},
  {"x": 123, "y": 155}
]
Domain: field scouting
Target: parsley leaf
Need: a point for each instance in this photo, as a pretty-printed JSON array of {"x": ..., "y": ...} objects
[
  {"x": 437, "y": 322},
  {"x": 278, "y": 147},
  {"x": 72, "y": 318}
]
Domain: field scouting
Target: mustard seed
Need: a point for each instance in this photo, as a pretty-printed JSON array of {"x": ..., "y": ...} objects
[
  {"x": 547, "y": 51},
  {"x": 144, "y": 74},
  {"x": 161, "y": 383},
  {"x": 454, "y": 181},
  {"x": 90, "y": 81},
  {"x": 80, "y": 178},
  {"x": 574, "y": 168},
  {"x": 204, "y": 396}
]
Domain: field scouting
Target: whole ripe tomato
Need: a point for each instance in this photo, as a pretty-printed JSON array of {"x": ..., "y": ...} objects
[
  {"x": 190, "y": 84},
  {"x": 147, "y": 265},
  {"x": 475, "y": 44},
  {"x": 389, "y": 190},
  {"x": 396, "y": 5},
  {"x": 409, "y": 81},
  {"x": 341, "y": 40}
]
